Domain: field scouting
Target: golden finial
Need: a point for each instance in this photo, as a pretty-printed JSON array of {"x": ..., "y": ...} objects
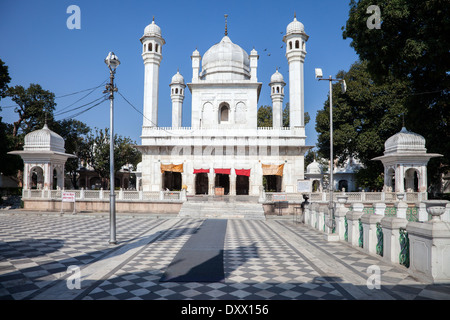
[{"x": 226, "y": 29}]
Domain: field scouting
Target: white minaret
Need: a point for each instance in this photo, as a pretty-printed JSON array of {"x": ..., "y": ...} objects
[
  {"x": 151, "y": 53},
  {"x": 277, "y": 94},
  {"x": 177, "y": 87},
  {"x": 195, "y": 65},
  {"x": 295, "y": 40}
]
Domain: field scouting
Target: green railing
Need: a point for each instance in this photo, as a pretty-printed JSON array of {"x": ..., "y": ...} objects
[
  {"x": 379, "y": 246},
  {"x": 361, "y": 234},
  {"x": 346, "y": 229},
  {"x": 404, "y": 248}
]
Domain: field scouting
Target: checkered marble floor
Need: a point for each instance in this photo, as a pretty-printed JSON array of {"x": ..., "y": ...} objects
[{"x": 273, "y": 259}]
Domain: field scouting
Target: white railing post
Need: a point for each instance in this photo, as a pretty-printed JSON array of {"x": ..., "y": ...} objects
[
  {"x": 353, "y": 217},
  {"x": 339, "y": 214},
  {"x": 100, "y": 195},
  {"x": 82, "y": 194}
]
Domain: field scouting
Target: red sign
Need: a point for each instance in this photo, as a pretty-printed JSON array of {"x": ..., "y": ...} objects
[{"x": 68, "y": 196}]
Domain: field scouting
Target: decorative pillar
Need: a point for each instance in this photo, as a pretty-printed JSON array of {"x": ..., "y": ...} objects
[
  {"x": 353, "y": 217},
  {"x": 430, "y": 245},
  {"x": 339, "y": 214}
]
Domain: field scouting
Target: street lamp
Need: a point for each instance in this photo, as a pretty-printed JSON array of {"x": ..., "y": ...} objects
[
  {"x": 112, "y": 62},
  {"x": 319, "y": 76}
]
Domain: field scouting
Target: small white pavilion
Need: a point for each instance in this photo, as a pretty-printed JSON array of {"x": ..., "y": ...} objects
[
  {"x": 44, "y": 158},
  {"x": 405, "y": 162}
]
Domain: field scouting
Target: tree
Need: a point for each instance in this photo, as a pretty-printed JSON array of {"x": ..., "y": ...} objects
[
  {"x": 98, "y": 155},
  {"x": 34, "y": 106},
  {"x": 74, "y": 133},
  {"x": 4, "y": 79},
  {"x": 265, "y": 116},
  {"x": 364, "y": 117},
  {"x": 413, "y": 46}
]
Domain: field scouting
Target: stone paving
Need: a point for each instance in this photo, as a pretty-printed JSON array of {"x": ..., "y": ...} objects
[{"x": 276, "y": 259}]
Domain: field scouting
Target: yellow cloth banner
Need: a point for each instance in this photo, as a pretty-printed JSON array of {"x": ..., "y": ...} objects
[
  {"x": 272, "y": 169},
  {"x": 172, "y": 167}
]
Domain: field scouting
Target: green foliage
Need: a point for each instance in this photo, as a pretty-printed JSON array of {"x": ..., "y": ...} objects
[
  {"x": 413, "y": 47},
  {"x": 4, "y": 79},
  {"x": 98, "y": 147},
  {"x": 265, "y": 116},
  {"x": 34, "y": 106},
  {"x": 363, "y": 117}
]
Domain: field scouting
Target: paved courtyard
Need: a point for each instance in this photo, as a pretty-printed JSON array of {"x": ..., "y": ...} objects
[{"x": 272, "y": 259}]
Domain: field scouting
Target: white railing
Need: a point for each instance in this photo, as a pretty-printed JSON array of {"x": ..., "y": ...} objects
[
  {"x": 103, "y": 195},
  {"x": 390, "y": 197}
]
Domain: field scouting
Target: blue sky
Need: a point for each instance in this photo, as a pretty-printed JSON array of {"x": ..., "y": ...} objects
[{"x": 38, "y": 47}]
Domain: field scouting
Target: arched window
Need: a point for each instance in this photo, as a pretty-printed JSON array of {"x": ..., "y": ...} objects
[
  {"x": 145, "y": 47},
  {"x": 297, "y": 44},
  {"x": 273, "y": 90},
  {"x": 181, "y": 91},
  {"x": 278, "y": 89},
  {"x": 156, "y": 47},
  {"x": 172, "y": 90},
  {"x": 290, "y": 44},
  {"x": 150, "y": 47},
  {"x": 176, "y": 90},
  {"x": 224, "y": 111}
]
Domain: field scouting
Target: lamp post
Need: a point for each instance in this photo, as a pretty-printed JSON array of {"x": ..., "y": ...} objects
[
  {"x": 319, "y": 76},
  {"x": 112, "y": 62}
]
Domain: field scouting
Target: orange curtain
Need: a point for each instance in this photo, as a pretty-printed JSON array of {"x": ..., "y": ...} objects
[
  {"x": 272, "y": 169},
  {"x": 172, "y": 167}
]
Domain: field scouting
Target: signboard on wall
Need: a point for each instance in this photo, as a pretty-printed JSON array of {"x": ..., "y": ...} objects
[
  {"x": 304, "y": 186},
  {"x": 68, "y": 196}
]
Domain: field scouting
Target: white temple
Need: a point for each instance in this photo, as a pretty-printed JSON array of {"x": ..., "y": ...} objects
[
  {"x": 223, "y": 150},
  {"x": 405, "y": 162},
  {"x": 44, "y": 159}
]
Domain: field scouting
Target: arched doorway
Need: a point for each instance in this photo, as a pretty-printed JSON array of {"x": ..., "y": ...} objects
[
  {"x": 222, "y": 181},
  {"x": 343, "y": 184},
  {"x": 171, "y": 180},
  {"x": 36, "y": 178},
  {"x": 411, "y": 180},
  {"x": 272, "y": 183},
  {"x": 316, "y": 186},
  {"x": 242, "y": 185},
  {"x": 224, "y": 112},
  {"x": 201, "y": 183}
]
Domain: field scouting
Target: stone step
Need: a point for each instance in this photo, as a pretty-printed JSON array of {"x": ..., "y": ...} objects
[{"x": 219, "y": 209}]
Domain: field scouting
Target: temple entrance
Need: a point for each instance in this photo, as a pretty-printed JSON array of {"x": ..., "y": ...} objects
[
  {"x": 201, "y": 183},
  {"x": 242, "y": 185},
  {"x": 272, "y": 183},
  {"x": 171, "y": 180},
  {"x": 222, "y": 181}
]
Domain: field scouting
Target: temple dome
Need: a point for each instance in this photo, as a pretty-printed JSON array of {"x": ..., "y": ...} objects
[
  {"x": 177, "y": 78},
  {"x": 277, "y": 77},
  {"x": 152, "y": 30},
  {"x": 225, "y": 61},
  {"x": 295, "y": 27},
  {"x": 405, "y": 142},
  {"x": 314, "y": 168},
  {"x": 44, "y": 140}
]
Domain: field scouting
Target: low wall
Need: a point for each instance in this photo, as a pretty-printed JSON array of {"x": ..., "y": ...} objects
[
  {"x": 272, "y": 209},
  {"x": 172, "y": 207}
]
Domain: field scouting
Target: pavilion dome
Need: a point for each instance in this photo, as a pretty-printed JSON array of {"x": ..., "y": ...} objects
[
  {"x": 44, "y": 140},
  {"x": 177, "y": 78},
  {"x": 277, "y": 77},
  {"x": 225, "y": 61},
  {"x": 314, "y": 168},
  {"x": 295, "y": 27},
  {"x": 152, "y": 30},
  {"x": 405, "y": 142}
]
